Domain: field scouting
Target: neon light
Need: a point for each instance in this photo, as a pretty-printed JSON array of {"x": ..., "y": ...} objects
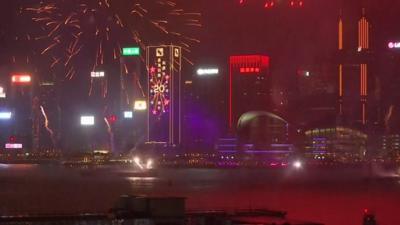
[
  {"x": 249, "y": 70},
  {"x": 366, "y": 80},
  {"x": 131, "y": 51},
  {"x": 207, "y": 71},
  {"x": 97, "y": 74},
  {"x": 340, "y": 80},
  {"x": 87, "y": 120},
  {"x": 363, "y": 33},
  {"x": 140, "y": 105},
  {"x": 392, "y": 45},
  {"x": 21, "y": 78},
  {"x": 259, "y": 61},
  {"x": 230, "y": 97},
  {"x": 13, "y": 146},
  {"x": 340, "y": 34},
  {"x": 5, "y": 115},
  {"x": 363, "y": 114},
  {"x": 363, "y": 79}
]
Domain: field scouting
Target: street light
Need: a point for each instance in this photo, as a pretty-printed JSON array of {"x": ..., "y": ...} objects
[{"x": 297, "y": 164}]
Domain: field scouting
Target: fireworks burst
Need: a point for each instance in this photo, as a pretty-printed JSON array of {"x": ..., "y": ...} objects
[
  {"x": 91, "y": 32},
  {"x": 46, "y": 125}
]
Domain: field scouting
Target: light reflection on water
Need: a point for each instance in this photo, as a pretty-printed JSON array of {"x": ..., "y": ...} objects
[
  {"x": 4, "y": 166},
  {"x": 34, "y": 188},
  {"x": 141, "y": 179}
]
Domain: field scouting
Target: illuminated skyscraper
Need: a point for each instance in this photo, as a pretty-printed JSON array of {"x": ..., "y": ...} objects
[
  {"x": 353, "y": 70},
  {"x": 133, "y": 86},
  {"x": 22, "y": 102},
  {"x": 164, "y": 94},
  {"x": 249, "y": 86},
  {"x": 49, "y": 115},
  {"x": 133, "y": 81}
]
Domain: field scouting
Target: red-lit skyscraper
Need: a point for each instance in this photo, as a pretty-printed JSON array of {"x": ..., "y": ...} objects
[{"x": 249, "y": 85}]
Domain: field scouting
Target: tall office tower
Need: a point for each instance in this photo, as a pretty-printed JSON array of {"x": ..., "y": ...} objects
[
  {"x": 249, "y": 86},
  {"x": 98, "y": 89},
  {"x": 21, "y": 98},
  {"x": 164, "y": 64},
  {"x": 353, "y": 70},
  {"x": 133, "y": 94},
  {"x": 49, "y": 115},
  {"x": 133, "y": 81}
]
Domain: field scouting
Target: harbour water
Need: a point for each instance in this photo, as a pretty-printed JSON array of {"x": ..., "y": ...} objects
[{"x": 334, "y": 196}]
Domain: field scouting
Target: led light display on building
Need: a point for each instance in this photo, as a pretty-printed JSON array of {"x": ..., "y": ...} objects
[
  {"x": 128, "y": 114},
  {"x": 140, "y": 105},
  {"x": 5, "y": 115},
  {"x": 96, "y": 74},
  {"x": 207, "y": 71},
  {"x": 164, "y": 82},
  {"x": 21, "y": 78},
  {"x": 13, "y": 146},
  {"x": 87, "y": 120},
  {"x": 131, "y": 51},
  {"x": 2, "y": 93},
  {"x": 355, "y": 107},
  {"x": 392, "y": 45}
]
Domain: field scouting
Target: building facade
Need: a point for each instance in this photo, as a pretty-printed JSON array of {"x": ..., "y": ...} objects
[
  {"x": 354, "y": 76},
  {"x": 336, "y": 143},
  {"x": 164, "y": 64},
  {"x": 249, "y": 86}
]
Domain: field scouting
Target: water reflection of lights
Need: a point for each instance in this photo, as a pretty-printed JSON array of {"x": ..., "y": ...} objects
[
  {"x": 143, "y": 179},
  {"x": 4, "y": 166}
]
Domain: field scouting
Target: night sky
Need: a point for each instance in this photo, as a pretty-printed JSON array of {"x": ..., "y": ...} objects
[{"x": 294, "y": 38}]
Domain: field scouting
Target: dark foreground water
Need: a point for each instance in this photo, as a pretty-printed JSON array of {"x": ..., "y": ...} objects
[{"x": 331, "y": 196}]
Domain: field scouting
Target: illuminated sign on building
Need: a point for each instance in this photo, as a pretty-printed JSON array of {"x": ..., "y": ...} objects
[
  {"x": 164, "y": 80},
  {"x": 87, "y": 120},
  {"x": 2, "y": 93},
  {"x": 207, "y": 71},
  {"x": 249, "y": 70},
  {"x": 392, "y": 45},
  {"x": 131, "y": 51},
  {"x": 96, "y": 74},
  {"x": 21, "y": 78},
  {"x": 13, "y": 146},
  {"x": 140, "y": 105},
  {"x": 5, "y": 115},
  {"x": 128, "y": 114}
]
